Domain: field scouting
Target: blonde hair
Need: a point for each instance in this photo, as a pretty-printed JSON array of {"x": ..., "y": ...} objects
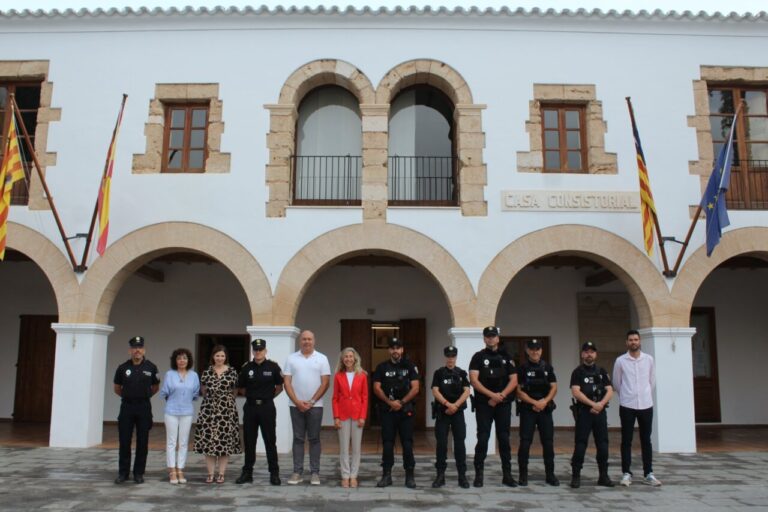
[{"x": 340, "y": 365}]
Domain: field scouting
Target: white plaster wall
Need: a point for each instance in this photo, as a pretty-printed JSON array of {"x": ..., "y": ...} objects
[
  {"x": 24, "y": 290},
  {"x": 394, "y": 293},
  {"x": 739, "y": 298}
]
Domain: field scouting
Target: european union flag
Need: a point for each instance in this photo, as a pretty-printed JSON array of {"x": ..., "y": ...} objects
[{"x": 713, "y": 201}]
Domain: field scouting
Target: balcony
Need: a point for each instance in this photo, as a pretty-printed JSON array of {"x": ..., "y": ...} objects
[
  {"x": 327, "y": 180},
  {"x": 422, "y": 181},
  {"x": 749, "y": 186}
]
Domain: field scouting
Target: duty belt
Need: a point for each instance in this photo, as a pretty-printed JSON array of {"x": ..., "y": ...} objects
[
  {"x": 254, "y": 401},
  {"x": 135, "y": 400}
]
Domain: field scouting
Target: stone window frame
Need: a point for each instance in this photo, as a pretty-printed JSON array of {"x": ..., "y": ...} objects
[
  {"x": 714, "y": 75},
  {"x": 34, "y": 71},
  {"x": 151, "y": 161},
  {"x": 599, "y": 161}
]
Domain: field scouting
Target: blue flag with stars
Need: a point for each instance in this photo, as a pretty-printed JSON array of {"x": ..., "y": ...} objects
[{"x": 713, "y": 201}]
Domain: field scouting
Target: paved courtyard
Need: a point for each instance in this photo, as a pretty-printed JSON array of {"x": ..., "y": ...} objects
[{"x": 81, "y": 479}]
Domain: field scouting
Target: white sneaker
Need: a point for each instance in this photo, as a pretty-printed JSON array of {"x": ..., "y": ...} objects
[
  {"x": 295, "y": 479},
  {"x": 626, "y": 480},
  {"x": 651, "y": 480},
  {"x": 314, "y": 479}
]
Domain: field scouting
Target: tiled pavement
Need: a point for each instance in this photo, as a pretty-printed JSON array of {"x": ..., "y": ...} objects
[{"x": 81, "y": 479}]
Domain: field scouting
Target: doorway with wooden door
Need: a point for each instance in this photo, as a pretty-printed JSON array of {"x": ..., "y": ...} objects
[
  {"x": 706, "y": 384},
  {"x": 34, "y": 369},
  {"x": 370, "y": 338}
]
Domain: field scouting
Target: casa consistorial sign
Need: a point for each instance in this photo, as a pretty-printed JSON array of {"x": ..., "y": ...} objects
[{"x": 569, "y": 201}]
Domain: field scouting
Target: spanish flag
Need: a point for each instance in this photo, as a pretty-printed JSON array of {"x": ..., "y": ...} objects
[
  {"x": 647, "y": 207},
  {"x": 106, "y": 180},
  {"x": 11, "y": 171}
]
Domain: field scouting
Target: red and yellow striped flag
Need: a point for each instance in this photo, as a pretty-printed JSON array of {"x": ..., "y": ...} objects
[
  {"x": 11, "y": 171},
  {"x": 647, "y": 207},
  {"x": 106, "y": 181}
]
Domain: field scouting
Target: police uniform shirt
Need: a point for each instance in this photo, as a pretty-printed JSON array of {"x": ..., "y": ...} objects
[
  {"x": 260, "y": 380},
  {"x": 592, "y": 380},
  {"x": 395, "y": 378},
  {"x": 136, "y": 380},
  {"x": 450, "y": 382},
  {"x": 494, "y": 369},
  {"x": 535, "y": 379}
]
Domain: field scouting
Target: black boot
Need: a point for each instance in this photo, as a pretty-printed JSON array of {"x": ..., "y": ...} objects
[
  {"x": 551, "y": 479},
  {"x": 245, "y": 476},
  {"x": 523, "y": 481},
  {"x": 576, "y": 478},
  {"x": 410, "y": 481},
  {"x": 507, "y": 478},
  {"x": 604, "y": 480},
  {"x": 463, "y": 482},
  {"x": 439, "y": 479},
  {"x": 478, "y": 476},
  {"x": 274, "y": 479},
  {"x": 386, "y": 479}
]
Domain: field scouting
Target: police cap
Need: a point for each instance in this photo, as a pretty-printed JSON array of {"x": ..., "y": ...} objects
[
  {"x": 491, "y": 331},
  {"x": 450, "y": 351},
  {"x": 136, "y": 342},
  {"x": 588, "y": 346},
  {"x": 533, "y": 344},
  {"x": 258, "y": 344},
  {"x": 395, "y": 342}
]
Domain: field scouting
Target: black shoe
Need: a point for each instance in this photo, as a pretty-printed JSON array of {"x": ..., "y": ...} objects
[
  {"x": 139, "y": 479},
  {"x": 439, "y": 480},
  {"x": 552, "y": 480},
  {"x": 386, "y": 480},
  {"x": 410, "y": 481},
  {"x": 121, "y": 479},
  {"x": 575, "y": 480},
  {"x": 523, "y": 480},
  {"x": 508, "y": 480},
  {"x": 605, "y": 481},
  {"x": 478, "y": 477},
  {"x": 274, "y": 479},
  {"x": 245, "y": 476},
  {"x": 463, "y": 482}
]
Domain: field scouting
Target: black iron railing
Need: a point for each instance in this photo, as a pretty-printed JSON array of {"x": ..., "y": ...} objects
[
  {"x": 749, "y": 185},
  {"x": 422, "y": 181},
  {"x": 327, "y": 180}
]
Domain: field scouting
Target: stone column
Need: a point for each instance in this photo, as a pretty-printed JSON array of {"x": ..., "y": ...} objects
[
  {"x": 281, "y": 145},
  {"x": 470, "y": 141},
  {"x": 77, "y": 412},
  {"x": 375, "y": 119},
  {"x": 469, "y": 340},
  {"x": 281, "y": 342},
  {"x": 674, "y": 423}
]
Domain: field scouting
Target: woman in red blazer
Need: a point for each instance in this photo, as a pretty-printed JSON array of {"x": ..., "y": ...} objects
[{"x": 350, "y": 407}]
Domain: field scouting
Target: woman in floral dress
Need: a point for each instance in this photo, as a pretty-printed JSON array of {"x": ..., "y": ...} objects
[{"x": 217, "y": 435}]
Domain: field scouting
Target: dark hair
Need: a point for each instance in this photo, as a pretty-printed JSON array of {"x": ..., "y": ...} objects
[
  {"x": 219, "y": 348},
  {"x": 181, "y": 352},
  {"x": 631, "y": 332}
]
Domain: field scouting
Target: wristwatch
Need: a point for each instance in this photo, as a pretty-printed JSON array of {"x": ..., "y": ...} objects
[{"x": 312, "y": 402}]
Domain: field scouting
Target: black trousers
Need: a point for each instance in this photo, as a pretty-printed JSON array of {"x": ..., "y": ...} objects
[
  {"x": 392, "y": 424},
  {"x": 529, "y": 421},
  {"x": 502, "y": 416},
  {"x": 138, "y": 415},
  {"x": 262, "y": 417},
  {"x": 644, "y": 419},
  {"x": 597, "y": 425},
  {"x": 456, "y": 424}
]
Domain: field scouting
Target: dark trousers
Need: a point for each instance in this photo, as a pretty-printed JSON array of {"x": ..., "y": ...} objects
[
  {"x": 455, "y": 423},
  {"x": 644, "y": 419},
  {"x": 392, "y": 424},
  {"x": 139, "y": 415},
  {"x": 597, "y": 425},
  {"x": 529, "y": 421},
  {"x": 262, "y": 417},
  {"x": 502, "y": 416}
]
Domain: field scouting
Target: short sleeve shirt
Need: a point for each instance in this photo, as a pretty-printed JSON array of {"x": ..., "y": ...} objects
[
  {"x": 260, "y": 380},
  {"x": 136, "y": 380},
  {"x": 306, "y": 373}
]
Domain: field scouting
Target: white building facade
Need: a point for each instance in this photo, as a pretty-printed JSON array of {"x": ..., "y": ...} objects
[{"x": 365, "y": 174}]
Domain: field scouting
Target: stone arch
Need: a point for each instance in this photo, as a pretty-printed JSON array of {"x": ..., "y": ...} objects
[
  {"x": 389, "y": 239},
  {"x": 738, "y": 242},
  {"x": 633, "y": 268},
  {"x": 56, "y": 267},
  {"x": 122, "y": 258},
  {"x": 424, "y": 71},
  {"x": 326, "y": 72}
]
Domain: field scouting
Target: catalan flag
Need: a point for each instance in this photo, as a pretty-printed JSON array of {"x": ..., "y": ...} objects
[
  {"x": 647, "y": 207},
  {"x": 11, "y": 171},
  {"x": 106, "y": 181}
]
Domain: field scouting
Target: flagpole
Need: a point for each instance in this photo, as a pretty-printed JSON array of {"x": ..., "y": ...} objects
[
  {"x": 48, "y": 195},
  {"x": 89, "y": 239}
]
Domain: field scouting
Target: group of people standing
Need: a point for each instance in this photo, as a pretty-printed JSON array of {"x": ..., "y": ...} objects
[{"x": 305, "y": 377}]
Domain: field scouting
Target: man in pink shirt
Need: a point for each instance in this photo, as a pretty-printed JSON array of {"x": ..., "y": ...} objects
[{"x": 634, "y": 377}]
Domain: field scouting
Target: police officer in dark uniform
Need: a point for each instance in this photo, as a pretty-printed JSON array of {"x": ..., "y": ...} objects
[
  {"x": 450, "y": 387},
  {"x": 592, "y": 390},
  {"x": 260, "y": 380},
  {"x": 396, "y": 384},
  {"x": 492, "y": 375},
  {"x": 135, "y": 382},
  {"x": 536, "y": 390}
]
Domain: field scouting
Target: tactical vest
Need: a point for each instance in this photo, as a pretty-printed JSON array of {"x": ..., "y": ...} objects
[
  {"x": 396, "y": 382},
  {"x": 493, "y": 372},
  {"x": 450, "y": 384},
  {"x": 536, "y": 381},
  {"x": 592, "y": 383}
]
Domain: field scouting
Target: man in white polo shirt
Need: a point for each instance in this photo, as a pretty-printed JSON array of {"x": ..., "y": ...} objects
[
  {"x": 634, "y": 377},
  {"x": 307, "y": 375}
]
